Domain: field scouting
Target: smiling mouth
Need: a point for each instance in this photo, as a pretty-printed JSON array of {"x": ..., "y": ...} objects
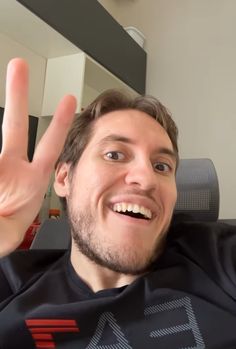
[{"x": 132, "y": 210}]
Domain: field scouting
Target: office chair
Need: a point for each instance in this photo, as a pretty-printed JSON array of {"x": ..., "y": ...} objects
[
  {"x": 198, "y": 200},
  {"x": 198, "y": 190}
]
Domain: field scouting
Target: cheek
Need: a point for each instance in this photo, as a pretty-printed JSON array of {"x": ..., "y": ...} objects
[
  {"x": 173, "y": 197},
  {"x": 169, "y": 194},
  {"x": 89, "y": 185}
]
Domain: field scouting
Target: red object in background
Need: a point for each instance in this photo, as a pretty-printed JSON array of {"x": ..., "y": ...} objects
[
  {"x": 29, "y": 235},
  {"x": 54, "y": 213},
  {"x": 32, "y": 230}
]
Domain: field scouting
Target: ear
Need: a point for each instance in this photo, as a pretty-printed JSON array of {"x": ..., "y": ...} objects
[{"x": 62, "y": 182}]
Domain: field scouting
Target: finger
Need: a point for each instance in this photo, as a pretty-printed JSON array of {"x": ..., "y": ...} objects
[
  {"x": 50, "y": 146},
  {"x": 15, "y": 120}
]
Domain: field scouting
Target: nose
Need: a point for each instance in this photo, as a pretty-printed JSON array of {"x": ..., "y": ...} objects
[{"x": 141, "y": 174}]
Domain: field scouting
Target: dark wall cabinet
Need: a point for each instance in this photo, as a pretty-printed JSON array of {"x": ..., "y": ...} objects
[
  {"x": 90, "y": 27},
  {"x": 33, "y": 125}
]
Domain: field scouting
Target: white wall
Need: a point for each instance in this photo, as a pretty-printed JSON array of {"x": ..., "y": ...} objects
[
  {"x": 37, "y": 66},
  {"x": 191, "y": 68}
]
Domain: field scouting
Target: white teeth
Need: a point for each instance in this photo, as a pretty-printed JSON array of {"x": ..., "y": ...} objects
[
  {"x": 129, "y": 208},
  {"x": 123, "y": 207},
  {"x": 118, "y": 208},
  {"x": 142, "y": 210}
]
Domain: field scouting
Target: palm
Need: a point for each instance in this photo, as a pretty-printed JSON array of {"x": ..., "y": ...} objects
[{"x": 23, "y": 183}]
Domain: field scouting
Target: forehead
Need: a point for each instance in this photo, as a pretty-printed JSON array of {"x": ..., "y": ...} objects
[{"x": 133, "y": 124}]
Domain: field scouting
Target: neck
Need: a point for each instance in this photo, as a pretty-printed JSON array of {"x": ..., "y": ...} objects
[{"x": 95, "y": 276}]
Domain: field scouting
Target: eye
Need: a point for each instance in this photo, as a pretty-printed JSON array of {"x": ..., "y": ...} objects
[
  {"x": 115, "y": 155},
  {"x": 162, "y": 167}
]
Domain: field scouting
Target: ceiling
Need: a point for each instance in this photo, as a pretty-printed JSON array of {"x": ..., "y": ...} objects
[{"x": 21, "y": 25}]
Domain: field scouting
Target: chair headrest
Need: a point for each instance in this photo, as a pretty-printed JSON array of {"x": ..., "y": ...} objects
[{"x": 198, "y": 190}]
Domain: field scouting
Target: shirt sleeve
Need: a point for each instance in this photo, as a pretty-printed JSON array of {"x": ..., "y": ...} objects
[
  {"x": 22, "y": 267},
  {"x": 5, "y": 289},
  {"x": 212, "y": 246}
]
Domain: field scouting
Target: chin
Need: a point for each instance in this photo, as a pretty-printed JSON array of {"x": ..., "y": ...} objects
[
  {"x": 135, "y": 259},
  {"x": 127, "y": 252},
  {"x": 128, "y": 258},
  {"x": 122, "y": 263}
]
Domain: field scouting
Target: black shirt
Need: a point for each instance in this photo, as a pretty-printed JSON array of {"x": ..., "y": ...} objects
[{"x": 188, "y": 300}]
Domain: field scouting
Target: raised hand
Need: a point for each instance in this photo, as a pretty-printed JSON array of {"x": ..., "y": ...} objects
[{"x": 23, "y": 183}]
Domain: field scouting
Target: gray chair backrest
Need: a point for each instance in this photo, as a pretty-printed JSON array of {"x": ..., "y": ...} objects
[
  {"x": 198, "y": 190},
  {"x": 198, "y": 199},
  {"x": 52, "y": 234}
]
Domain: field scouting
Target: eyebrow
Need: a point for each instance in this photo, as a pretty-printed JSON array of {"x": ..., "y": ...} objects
[{"x": 123, "y": 139}]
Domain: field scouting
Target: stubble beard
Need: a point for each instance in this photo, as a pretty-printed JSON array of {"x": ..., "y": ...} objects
[{"x": 124, "y": 259}]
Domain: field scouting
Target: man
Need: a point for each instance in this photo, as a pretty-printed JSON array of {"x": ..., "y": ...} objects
[{"x": 124, "y": 283}]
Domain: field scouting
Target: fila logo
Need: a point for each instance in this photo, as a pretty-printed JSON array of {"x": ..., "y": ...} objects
[
  {"x": 187, "y": 328},
  {"x": 42, "y": 330}
]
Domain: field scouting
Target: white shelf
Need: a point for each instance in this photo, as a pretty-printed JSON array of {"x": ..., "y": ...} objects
[{"x": 79, "y": 75}]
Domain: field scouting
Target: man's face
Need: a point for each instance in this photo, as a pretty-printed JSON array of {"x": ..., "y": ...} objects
[{"x": 122, "y": 192}]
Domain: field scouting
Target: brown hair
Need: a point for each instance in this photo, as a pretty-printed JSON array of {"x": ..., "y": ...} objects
[{"x": 112, "y": 100}]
